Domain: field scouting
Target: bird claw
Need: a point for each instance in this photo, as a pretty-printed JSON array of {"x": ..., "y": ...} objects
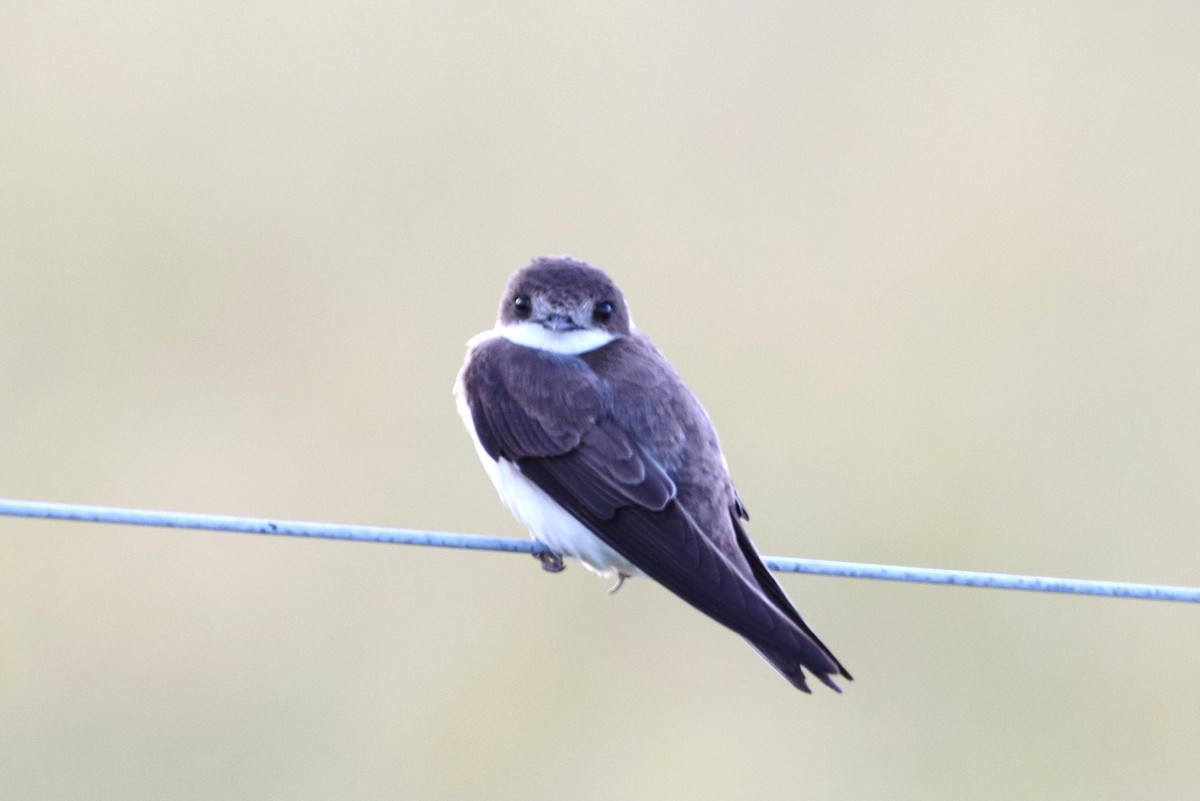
[
  {"x": 551, "y": 562},
  {"x": 620, "y": 580}
]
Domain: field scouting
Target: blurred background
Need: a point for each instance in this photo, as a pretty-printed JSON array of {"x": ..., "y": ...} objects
[{"x": 932, "y": 267}]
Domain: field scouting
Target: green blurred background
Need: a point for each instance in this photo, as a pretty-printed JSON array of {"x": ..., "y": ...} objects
[{"x": 932, "y": 267}]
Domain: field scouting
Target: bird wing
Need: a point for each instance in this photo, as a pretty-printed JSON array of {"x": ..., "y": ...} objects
[
  {"x": 530, "y": 406},
  {"x": 549, "y": 414},
  {"x": 770, "y": 587}
]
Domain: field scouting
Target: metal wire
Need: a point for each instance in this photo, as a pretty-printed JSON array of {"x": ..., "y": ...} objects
[{"x": 441, "y": 539}]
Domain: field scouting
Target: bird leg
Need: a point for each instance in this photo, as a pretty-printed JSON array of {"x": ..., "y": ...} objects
[
  {"x": 551, "y": 562},
  {"x": 620, "y": 580}
]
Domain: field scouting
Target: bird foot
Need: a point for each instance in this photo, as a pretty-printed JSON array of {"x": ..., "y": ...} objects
[
  {"x": 551, "y": 562},
  {"x": 620, "y": 580}
]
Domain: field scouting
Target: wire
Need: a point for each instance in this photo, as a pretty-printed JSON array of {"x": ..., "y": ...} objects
[{"x": 440, "y": 539}]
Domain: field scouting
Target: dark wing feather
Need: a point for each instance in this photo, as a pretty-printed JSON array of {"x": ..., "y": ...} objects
[
  {"x": 529, "y": 405},
  {"x": 666, "y": 545},
  {"x": 770, "y": 587},
  {"x": 604, "y": 474}
]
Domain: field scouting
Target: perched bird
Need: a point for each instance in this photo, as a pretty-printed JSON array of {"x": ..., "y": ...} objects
[{"x": 597, "y": 446}]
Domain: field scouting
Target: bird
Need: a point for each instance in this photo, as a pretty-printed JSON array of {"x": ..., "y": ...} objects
[{"x": 594, "y": 442}]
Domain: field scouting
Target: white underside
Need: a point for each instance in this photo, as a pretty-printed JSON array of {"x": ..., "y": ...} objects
[{"x": 547, "y": 522}]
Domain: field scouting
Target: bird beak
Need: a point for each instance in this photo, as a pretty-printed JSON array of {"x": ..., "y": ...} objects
[{"x": 560, "y": 322}]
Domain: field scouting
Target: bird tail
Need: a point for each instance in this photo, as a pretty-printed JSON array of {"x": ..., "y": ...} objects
[
  {"x": 805, "y": 648},
  {"x": 792, "y": 667}
]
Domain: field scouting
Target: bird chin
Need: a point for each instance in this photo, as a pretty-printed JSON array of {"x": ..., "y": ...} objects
[{"x": 570, "y": 342}]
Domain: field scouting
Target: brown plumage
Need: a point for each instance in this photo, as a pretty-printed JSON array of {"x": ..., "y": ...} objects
[{"x": 607, "y": 430}]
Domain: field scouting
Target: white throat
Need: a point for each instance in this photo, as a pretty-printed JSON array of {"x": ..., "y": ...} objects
[{"x": 533, "y": 335}]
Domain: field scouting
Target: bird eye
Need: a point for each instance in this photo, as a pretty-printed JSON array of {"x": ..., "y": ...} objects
[
  {"x": 602, "y": 311},
  {"x": 523, "y": 306}
]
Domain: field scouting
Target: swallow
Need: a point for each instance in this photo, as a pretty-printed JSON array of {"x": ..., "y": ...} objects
[{"x": 597, "y": 446}]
